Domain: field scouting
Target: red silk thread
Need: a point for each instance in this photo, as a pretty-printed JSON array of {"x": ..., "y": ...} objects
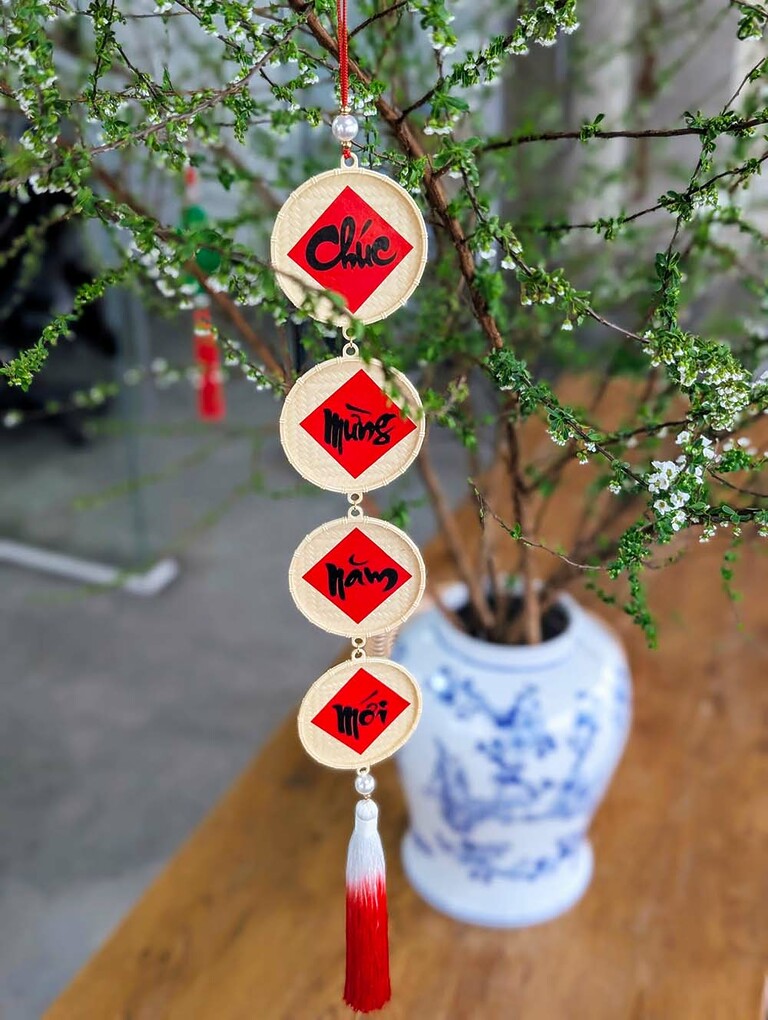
[
  {"x": 367, "y": 986},
  {"x": 343, "y": 44}
]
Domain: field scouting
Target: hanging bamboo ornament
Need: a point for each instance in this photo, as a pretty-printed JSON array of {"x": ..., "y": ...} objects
[
  {"x": 350, "y": 426},
  {"x": 348, "y": 244},
  {"x": 355, "y": 233},
  {"x": 357, "y": 576},
  {"x": 359, "y": 713}
]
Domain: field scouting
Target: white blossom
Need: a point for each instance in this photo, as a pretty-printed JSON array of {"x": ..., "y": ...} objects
[
  {"x": 677, "y": 520},
  {"x": 706, "y": 449},
  {"x": 679, "y": 498},
  {"x": 665, "y": 473}
]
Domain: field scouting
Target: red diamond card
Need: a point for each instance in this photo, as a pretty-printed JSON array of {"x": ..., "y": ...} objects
[
  {"x": 361, "y": 711},
  {"x": 357, "y": 424},
  {"x": 350, "y": 249},
  {"x": 357, "y": 576}
]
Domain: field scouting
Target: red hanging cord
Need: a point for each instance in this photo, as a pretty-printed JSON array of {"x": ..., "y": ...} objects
[{"x": 343, "y": 44}]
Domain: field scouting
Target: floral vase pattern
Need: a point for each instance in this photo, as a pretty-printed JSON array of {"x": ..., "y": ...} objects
[{"x": 514, "y": 751}]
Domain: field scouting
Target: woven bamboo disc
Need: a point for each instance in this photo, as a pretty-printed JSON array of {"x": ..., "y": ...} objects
[
  {"x": 348, "y": 427},
  {"x": 353, "y": 232},
  {"x": 357, "y": 576},
  {"x": 359, "y": 713}
]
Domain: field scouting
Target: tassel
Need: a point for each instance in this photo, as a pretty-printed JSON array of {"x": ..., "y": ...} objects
[
  {"x": 210, "y": 393},
  {"x": 367, "y": 985}
]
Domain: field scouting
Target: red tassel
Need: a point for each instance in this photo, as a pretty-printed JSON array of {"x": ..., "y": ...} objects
[
  {"x": 367, "y": 985},
  {"x": 210, "y": 394},
  {"x": 210, "y": 402}
]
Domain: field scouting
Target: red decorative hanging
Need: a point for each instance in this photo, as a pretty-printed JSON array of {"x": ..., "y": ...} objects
[
  {"x": 211, "y": 405},
  {"x": 350, "y": 426}
]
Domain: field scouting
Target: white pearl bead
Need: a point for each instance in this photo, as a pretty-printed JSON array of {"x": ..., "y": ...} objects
[
  {"x": 344, "y": 127},
  {"x": 365, "y": 784}
]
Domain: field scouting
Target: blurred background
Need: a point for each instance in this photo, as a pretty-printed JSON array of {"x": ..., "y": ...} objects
[{"x": 150, "y": 644}]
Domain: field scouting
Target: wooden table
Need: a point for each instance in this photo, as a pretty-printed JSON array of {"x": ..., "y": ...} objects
[{"x": 247, "y": 921}]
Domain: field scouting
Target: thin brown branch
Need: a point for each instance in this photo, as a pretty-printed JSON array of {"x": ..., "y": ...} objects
[
  {"x": 223, "y": 302},
  {"x": 455, "y": 541},
  {"x": 738, "y": 488},
  {"x": 559, "y": 136},
  {"x": 523, "y": 539},
  {"x": 585, "y": 548},
  {"x": 488, "y": 566},
  {"x": 756, "y": 9},
  {"x": 620, "y": 221},
  {"x": 227, "y": 307},
  {"x": 418, "y": 103},
  {"x": 531, "y": 607},
  {"x": 521, "y": 264},
  {"x": 375, "y": 17}
]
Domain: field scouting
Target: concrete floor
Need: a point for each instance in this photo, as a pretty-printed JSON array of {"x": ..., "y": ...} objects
[{"x": 122, "y": 719}]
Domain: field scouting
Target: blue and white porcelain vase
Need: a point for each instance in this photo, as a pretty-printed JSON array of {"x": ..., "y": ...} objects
[{"x": 514, "y": 751}]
